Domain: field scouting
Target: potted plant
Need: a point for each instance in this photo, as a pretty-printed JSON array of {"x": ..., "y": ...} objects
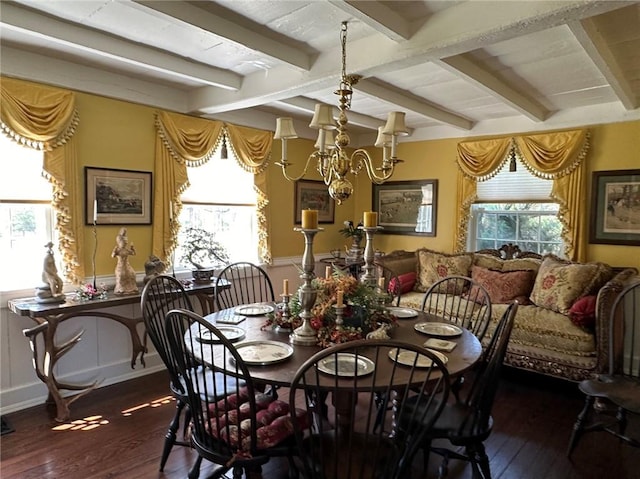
[
  {"x": 354, "y": 253},
  {"x": 201, "y": 249}
]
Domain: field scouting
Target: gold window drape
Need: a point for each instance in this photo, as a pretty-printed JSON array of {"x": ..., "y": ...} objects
[
  {"x": 184, "y": 141},
  {"x": 554, "y": 156},
  {"x": 46, "y": 118}
]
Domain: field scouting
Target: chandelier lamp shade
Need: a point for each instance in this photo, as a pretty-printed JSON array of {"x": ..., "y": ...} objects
[{"x": 331, "y": 158}]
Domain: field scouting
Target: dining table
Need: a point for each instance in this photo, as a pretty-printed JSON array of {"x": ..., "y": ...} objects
[{"x": 246, "y": 326}]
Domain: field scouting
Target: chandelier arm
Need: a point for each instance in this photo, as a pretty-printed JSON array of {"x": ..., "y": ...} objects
[
  {"x": 284, "y": 165},
  {"x": 363, "y": 157}
]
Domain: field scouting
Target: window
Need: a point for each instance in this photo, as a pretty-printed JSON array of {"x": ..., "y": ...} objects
[
  {"x": 221, "y": 200},
  {"x": 26, "y": 217},
  {"x": 514, "y": 207}
]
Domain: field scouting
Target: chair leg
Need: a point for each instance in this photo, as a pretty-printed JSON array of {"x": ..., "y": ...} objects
[
  {"x": 194, "y": 473},
  {"x": 621, "y": 418},
  {"x": 480, "y": 458},
  {"x": 578, "y": 427},
  {"x": 456, "y": 387},
  {"x": 170, "y": 437}
]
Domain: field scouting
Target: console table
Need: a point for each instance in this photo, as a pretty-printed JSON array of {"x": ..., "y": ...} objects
[{"x": 49, "y": 315}]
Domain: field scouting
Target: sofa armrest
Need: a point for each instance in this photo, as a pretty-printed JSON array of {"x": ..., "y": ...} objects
[
  {"x": 400, "y": 261},
  {"x": 604, "y": 303}
]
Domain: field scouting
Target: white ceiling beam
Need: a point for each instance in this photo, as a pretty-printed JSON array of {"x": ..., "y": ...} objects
[
  {"x": 378, "y": 16},
  {"x": 590, "y": 38},
  {"x": 442, "y": 35},
  {"x": 413, "y": 103},
  {"x": 81, "y": 39},
  {"x": 463, "y": 67},
  {"x": 246, "y": 35}
]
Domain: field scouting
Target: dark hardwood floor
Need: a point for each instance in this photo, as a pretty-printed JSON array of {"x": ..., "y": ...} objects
[{"x": 118, "y": 431}]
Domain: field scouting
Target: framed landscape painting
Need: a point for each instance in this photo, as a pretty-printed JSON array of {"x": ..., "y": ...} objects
[
  {"x": 615, "y": 207},
  {"x": 314, "y": 195},
  {"x": 117, "y": 197},
  {"x": 407, "y": 207}
]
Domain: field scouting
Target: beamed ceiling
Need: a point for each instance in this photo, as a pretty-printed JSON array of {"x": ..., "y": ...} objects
[{"x": 457, "y": 68}]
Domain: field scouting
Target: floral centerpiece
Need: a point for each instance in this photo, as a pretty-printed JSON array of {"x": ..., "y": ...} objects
[
  {"x": 364, "y": 311},
  {"x": 87, "y": 292},
  {"x": 354, "y": 253}
]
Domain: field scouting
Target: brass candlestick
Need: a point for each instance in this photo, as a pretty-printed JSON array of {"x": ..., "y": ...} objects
[
  {"x": 285, "y": 315},
  {"x": 95, "y": 250},
  {"x": 305, "y": 335},
  {"x": 369, "y": 276}
]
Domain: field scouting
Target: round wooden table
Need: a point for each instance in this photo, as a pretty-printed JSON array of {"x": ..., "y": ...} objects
[{"x": 466, "y": 353}]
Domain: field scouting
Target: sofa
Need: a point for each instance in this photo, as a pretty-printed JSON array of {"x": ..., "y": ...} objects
[{"x": 561, "y": 326}]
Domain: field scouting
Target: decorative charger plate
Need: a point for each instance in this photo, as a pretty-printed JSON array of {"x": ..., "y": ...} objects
[
  {"x": 438, "y": 329},
  {"x": 232, "y": 333},
  {"x": 344, "y": 364},
  {"x": 407, "y": 358},
  {"x": 255, "y": 309},
  {"x": 261, "y": 353},
  {"x": 403, "y": 313}
]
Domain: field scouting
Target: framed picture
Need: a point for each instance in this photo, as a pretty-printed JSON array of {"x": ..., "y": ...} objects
[
  {"x": 407, "y": 207},
  {"x": 615, "y": 207},
  {"x": 314, "y": 195},
  {"x": 117, "y": 197}
]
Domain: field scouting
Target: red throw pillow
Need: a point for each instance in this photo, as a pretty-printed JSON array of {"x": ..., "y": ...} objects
[
  {"x": 583, "y": 312},
  {"x": 407, "y": 281}
]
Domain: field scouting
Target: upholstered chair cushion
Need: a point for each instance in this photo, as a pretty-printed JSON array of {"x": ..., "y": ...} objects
[{"x": 433, "y": 266}]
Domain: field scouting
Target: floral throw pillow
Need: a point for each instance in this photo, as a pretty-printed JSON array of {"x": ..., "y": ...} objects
[
  {"x": 433, "y": 266},
  {"x": 559, "y": 283},
  {"x": 502, "y": 286}
]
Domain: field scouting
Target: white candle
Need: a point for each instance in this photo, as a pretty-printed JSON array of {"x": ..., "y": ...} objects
[
  {"x": 327, "y": 272},
  {"x": 95, "y": 211},
  {"x": 170, "y": 210},
  {"x": 381, "y": 282}
]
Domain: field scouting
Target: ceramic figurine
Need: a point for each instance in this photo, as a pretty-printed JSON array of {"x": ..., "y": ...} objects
[
  {"x": 51, "y": 289},
  {"x": 125, "y": 274},
  {"x": 153, "y": 267}
]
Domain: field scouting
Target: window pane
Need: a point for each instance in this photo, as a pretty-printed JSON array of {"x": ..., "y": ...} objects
[
  {"x": 487, "y": 226},
  {"x": 507, "y": 227},
  {"x": 17, "y": 165},
  {"x": 528, "y": 227}
]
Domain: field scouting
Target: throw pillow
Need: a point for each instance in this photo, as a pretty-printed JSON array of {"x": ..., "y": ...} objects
[
  {"x": 502, "y": 286},
  {"x": 433, "y": 266},
  {"x": 407, "y": 282},
  {"x": 560, "y": 283},
  {"x": 583, "y": 312}
]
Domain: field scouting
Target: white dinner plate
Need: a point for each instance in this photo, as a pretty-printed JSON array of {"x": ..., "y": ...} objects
[
  {"x": 232, "y": 333},
  {"x": 403, "y": 313},
  {"x": 438, "y": 329},
  {"x": 255, "y": 309},
  {"x": 344, "y": 364},
  {"x": 262, "y": 353},
  {"x": 407, "y": 358}
]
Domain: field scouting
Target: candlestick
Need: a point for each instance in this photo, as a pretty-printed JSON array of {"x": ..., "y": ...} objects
[
  {"x": 370, "y": 219},
  {"x": 369, "y": 275},
  {"x": 285, "y": 322},
  {"x": 285, "y": 287},
  {"x": 309, "y": 219},
  {"x": 305, "y": 335},
  {"x": 381, "y": 283},
  {"x": 95, "y": 250}
]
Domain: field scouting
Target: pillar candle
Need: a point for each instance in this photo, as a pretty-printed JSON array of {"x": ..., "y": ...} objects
[
  {"x": 310, "y": 219},
  {"x": 95, "y": 211},
  {"x": 370, "y": 219},
  {"x": 340, "y": 299},
  {"x": 327, "y": 272},
  {"x": 285, "y": 286},
  {"x": 381, "y": 282}
]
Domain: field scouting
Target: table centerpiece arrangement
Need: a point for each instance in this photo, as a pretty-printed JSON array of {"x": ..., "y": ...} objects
[{"x": 364, "y": 310}]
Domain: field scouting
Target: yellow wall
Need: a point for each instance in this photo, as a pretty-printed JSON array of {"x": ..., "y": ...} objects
[{"x": 116, "y": 134}]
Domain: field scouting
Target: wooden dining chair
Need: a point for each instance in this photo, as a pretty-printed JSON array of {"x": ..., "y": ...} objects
[
  {"x": 461, "y": 301},
  {"x": 233, "y": 424},
  {"x": 390, "y": 284},
  {"x": 466, "y": 424},
  {"x": 160, "y": 295},
  {"x": 249, "y": 284},
  {"x": 620, "y": 388},
  {"x": 344, "y": 441}
]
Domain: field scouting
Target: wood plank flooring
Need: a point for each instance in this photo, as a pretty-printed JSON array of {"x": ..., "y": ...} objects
[{"x": 119, "y": 432}]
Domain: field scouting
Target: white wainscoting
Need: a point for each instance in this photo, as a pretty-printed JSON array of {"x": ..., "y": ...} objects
[{"x": 104, "y": 353}]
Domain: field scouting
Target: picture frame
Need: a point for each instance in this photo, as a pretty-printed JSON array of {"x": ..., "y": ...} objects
[
  {"x": 407, "y": 207},
  {"x": 313, "y": 195},
  {"x": 615, "y": 207},
  {"x": 117, "y": 197}
]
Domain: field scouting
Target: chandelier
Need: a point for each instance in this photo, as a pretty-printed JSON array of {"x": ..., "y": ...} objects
[{"x": 332, "y": 161}]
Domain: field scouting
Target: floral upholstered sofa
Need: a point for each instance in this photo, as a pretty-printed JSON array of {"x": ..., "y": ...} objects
[{"x": 561, "y": 327}]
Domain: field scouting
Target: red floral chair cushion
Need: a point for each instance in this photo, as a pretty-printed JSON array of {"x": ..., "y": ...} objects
[{"x": 273, "y": 420}]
